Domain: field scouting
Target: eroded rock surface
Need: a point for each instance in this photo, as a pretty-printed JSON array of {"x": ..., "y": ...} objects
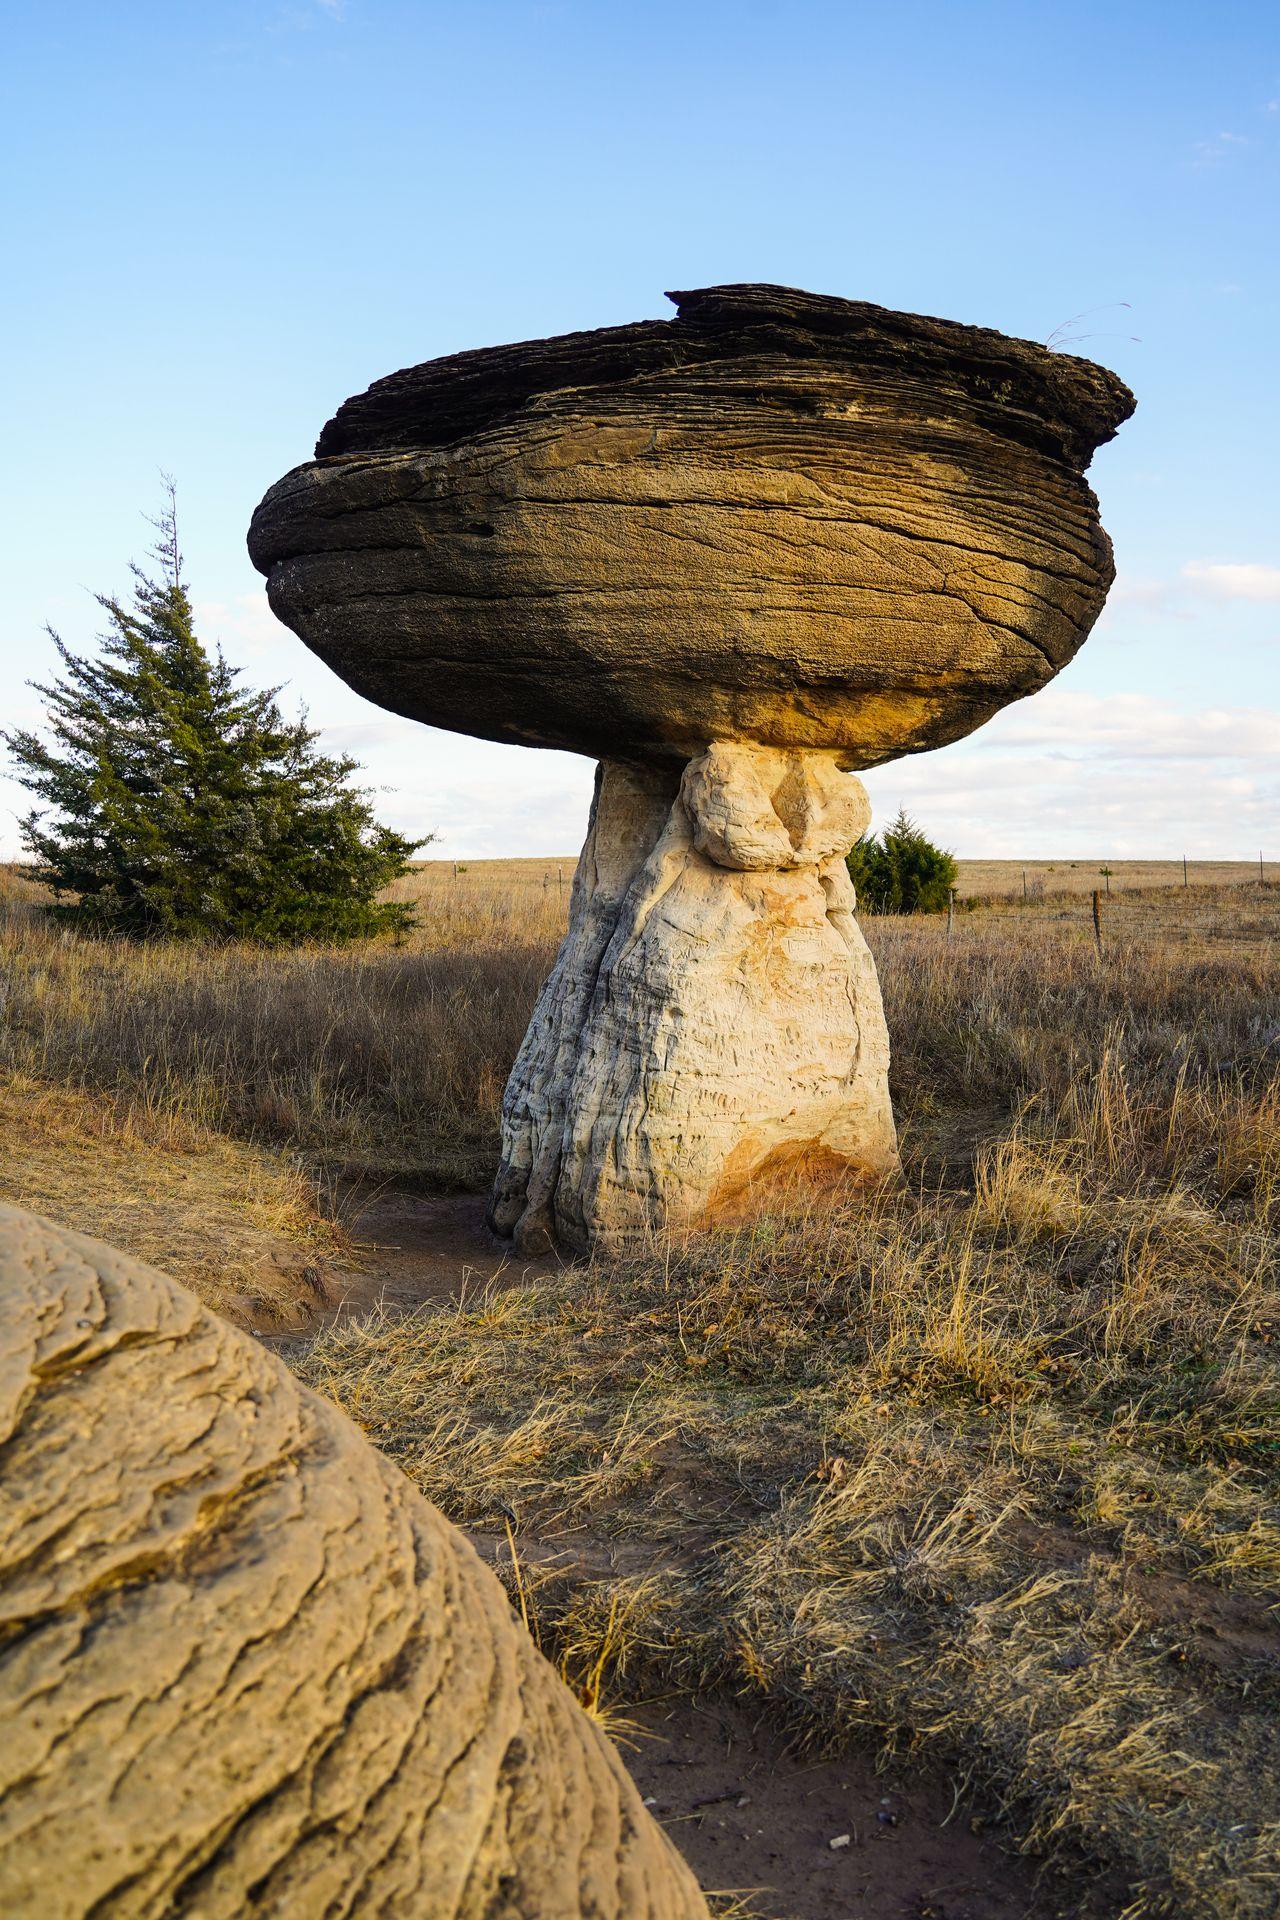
[
  {"x": 713, "y": 1022},
  {"x": 244, "y": 1666},
  {"x": 778, "y": 518}
]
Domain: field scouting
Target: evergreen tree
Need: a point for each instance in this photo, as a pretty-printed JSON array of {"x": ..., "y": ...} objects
[
  {"x": 903, "y": 872},
  {"x": 179, "y": 803}
]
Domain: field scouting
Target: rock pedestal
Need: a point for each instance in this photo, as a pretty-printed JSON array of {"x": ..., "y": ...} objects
[{"x": 713, "y": 1024}]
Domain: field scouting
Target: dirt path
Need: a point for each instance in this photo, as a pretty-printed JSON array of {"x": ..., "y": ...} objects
[
  {"x": 751, "y": 1815},
  {"x": 418, "y": 1251},
  {"x": 822, "y": 1839}
]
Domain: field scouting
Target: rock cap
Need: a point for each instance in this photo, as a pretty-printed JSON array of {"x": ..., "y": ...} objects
[{"x": 778, "y": 519}]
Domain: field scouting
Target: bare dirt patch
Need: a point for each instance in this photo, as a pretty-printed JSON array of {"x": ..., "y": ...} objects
[
  {"x": 806, "y": 1838},
  {"x": 412, "y": 1250}
]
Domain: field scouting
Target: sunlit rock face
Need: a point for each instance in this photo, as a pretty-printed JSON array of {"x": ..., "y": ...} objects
[
  {"x": 246, "y": 1668},
  {"x": 712, "y": 1030},
  {"x": 733, "y": 555},
  {"x": 776, "y": 518}
]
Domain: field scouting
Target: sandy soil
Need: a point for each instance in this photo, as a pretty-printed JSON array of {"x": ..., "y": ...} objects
[{"x": 753, "y": 1815}]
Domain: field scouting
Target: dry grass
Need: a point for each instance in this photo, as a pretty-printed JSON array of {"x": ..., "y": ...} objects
[
  {"x": 992, "y": 880},
  {"x": 387, "y": 1059},
  {"x": 984, "y": 880},
  {"x": 197, "y": 1106},
  {"x": 982, "y": 1465},
  {"x": 242, "y": 1227}
]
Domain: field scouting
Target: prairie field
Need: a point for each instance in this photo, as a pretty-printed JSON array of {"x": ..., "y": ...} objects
[
  {"x": 975, "y": 879},
  {"x": 980, "y": 1470}
]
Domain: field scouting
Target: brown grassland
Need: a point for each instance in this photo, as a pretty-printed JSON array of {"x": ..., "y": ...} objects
[
  {"x": 982, "y": 1467},
  {"x": 977, "y": 880}
]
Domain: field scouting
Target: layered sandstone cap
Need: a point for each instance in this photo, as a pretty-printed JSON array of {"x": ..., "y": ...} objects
[{"x": 778, "y": 519}]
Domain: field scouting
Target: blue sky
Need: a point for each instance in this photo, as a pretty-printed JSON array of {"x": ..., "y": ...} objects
[{"x": 220, "y": 219}]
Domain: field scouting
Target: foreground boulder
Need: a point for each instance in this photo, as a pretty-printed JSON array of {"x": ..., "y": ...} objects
[
  {"x": 750, "y": 549},
  {"x": 244, "y": 1666}
]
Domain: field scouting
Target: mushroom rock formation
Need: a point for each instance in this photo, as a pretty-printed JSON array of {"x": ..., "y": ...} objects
[
  {"x": 244, "y": 1666},
  {"x": 735, "y": 556}
]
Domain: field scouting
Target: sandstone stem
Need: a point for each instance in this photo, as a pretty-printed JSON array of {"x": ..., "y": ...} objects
[{"x": 713, "y": 1025}]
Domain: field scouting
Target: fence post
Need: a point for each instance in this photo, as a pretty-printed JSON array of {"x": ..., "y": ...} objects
[
  {"x": 1184, "y": 869},
  {"x": 951, "y": 910},
  {"x": 1024, "y": 883},
  {"x": 1261, "y": 881},
  {"x": 560, "y": 877},
  {"x": 1097, "y": 919}
]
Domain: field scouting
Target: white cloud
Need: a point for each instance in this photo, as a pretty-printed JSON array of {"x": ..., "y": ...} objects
[
  {"x": 244, "y": 625},
  {"x": 1211, "y": 153},
  {"x": 482, "y": 800},
  {"x": 1134, "y": 590},
  {"x": 1136, "y": 599},
  {"x": 1236, "y": 580},
  {"x": 1135, "y": 726},
  {"x": 1075, "y": 775}
]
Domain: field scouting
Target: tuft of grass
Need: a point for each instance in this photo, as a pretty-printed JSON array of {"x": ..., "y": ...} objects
[
  {"x": 588, "y": 1651},
  {"x": 242, "y": 1227}
]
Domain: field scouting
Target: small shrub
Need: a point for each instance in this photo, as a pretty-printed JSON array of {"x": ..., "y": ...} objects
[{"x": 902, "y": 872}]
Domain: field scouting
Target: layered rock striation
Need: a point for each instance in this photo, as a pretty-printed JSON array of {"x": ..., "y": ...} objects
[
  {"x": 244, "y": 1666},
  {"x": 777, "y": 518}
]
